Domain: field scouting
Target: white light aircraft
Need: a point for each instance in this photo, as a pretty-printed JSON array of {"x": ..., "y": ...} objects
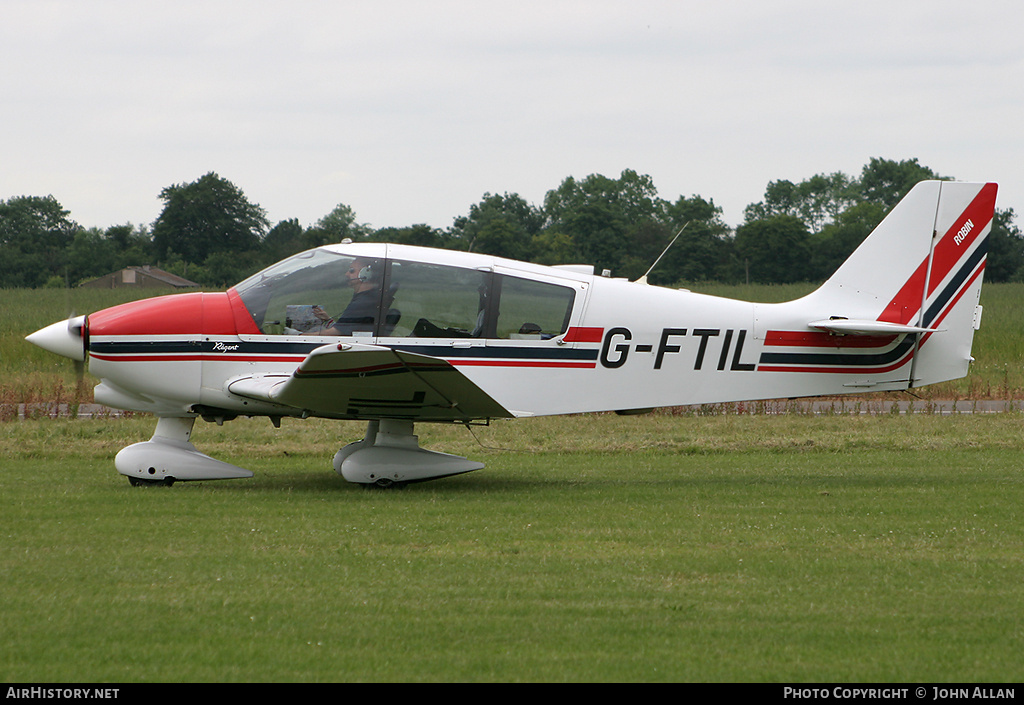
[{"x": 395, "y": 335}]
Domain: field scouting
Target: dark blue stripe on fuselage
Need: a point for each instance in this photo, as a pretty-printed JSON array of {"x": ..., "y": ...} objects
[
  {"x": 497, "y": 352},
  {"x": 842, "y": 359},
  {"x": 183, "y": 347}
]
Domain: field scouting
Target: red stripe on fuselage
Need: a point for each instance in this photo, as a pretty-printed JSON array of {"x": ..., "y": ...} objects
[
  {"x": 584, "y": 335},
  {"x": 523, "y": 363},
  {"x": 810, "y": 339}
]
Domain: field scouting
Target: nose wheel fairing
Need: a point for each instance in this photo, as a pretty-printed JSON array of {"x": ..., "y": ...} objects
[{"x": 170, "y": 457}]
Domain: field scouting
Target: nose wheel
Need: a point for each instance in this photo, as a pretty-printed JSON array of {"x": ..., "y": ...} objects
[
  {"x": 385, "y": 483},
  {"x": 141, "y": 482}
]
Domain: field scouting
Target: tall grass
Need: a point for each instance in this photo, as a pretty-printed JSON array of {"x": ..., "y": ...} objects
[{"x": 29, "y": 374}]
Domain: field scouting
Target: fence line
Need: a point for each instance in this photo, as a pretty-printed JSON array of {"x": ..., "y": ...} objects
[{"x": 838, "y": 407}]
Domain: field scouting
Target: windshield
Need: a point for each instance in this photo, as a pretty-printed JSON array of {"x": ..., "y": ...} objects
[{"x": 316, "y": 293}]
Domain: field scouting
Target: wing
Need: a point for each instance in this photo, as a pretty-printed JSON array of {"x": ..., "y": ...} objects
[{"x": 369, "y": 381}]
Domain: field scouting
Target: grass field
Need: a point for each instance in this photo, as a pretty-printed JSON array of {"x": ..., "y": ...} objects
[
  {"x": 793, "y": 548},
  {"x": 667, "y": 547}
]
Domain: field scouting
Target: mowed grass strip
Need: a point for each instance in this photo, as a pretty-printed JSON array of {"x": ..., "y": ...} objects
[{"x": 790, "y": 548}]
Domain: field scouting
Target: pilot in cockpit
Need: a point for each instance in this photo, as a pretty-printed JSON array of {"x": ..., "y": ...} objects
[{"x": 364, "y": 278}]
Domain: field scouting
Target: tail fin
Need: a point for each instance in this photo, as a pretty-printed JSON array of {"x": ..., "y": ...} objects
[{"x": 919, "y": 272}]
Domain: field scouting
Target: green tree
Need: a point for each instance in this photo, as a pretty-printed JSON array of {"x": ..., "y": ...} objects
[
  {"x": 646, "y": 243},
  {"x": 838, "y": 211},
  {"x": 602, "y": 215},
  {"x": 224, "y": 269},
  {"x": 885, "y": 181},
  {"x": 133, "y": 245},
  {"x": 35, "y": 234},
  {"x": 553, "y": 247},
  {"x": 817, "y": 201},
  {"x": 1005, "y": 249},
  {"x": 338, "y": 225},
  {"x": 780, "y": 198},
  {"x": 207, "y": 216},
  {"x": 703, "y": 249},
  {"x": 500, "y": 225},
  {"x": 91, "y": 254},
  {"x": 421, "y": 235},
  {"x": 284, "y": 239},
  {"x": 774, "y": 250},
  {"x": 837, "y": 240}
]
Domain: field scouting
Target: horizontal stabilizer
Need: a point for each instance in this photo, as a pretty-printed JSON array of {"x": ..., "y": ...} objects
[{"x": 846, "y": 326}]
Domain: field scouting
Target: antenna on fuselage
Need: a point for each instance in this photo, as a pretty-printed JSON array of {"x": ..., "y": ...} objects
[{"x": 643, "y": 279}]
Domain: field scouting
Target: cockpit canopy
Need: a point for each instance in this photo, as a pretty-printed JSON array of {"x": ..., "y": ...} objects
[{"x": 328, "y": 292}]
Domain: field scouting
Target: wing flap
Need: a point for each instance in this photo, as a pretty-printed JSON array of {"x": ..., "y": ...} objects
[{"x": 369, "y": 381}]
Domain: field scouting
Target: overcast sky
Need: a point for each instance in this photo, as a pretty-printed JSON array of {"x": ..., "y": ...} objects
[{"x": 409, "y": 112}]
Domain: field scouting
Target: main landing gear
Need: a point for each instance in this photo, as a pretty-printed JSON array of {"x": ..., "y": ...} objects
[{"x": 390, "y": 455}]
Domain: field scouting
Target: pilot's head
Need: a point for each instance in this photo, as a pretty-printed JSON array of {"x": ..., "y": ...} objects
[{"x": 363, "y": 274}]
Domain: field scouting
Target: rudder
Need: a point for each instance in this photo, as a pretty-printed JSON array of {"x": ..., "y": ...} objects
[{"x": 952, "y": 288}]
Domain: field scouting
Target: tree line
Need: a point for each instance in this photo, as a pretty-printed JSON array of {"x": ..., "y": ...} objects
[{"x": 210, "y": 233}]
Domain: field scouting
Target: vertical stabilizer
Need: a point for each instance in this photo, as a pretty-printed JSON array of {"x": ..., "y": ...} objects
[{"x": 922, "y": 267}]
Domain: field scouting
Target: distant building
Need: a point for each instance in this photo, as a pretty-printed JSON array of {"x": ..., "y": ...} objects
[{"x": 140, "y": 278}]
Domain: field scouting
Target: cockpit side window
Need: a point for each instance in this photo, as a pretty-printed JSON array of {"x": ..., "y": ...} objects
[
  {"x": 533, "y": 310},
  {"x": 436, "y": 301}
]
